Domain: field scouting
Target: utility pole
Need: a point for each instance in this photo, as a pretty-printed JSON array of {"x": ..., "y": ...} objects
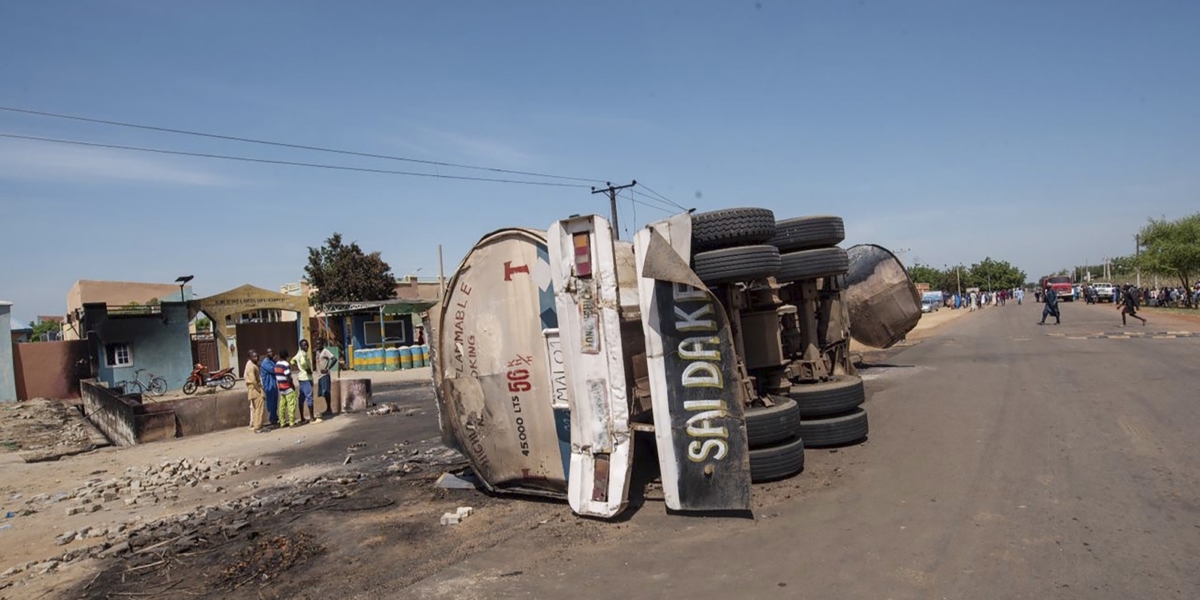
[
  {"x": 1137, "y": 251},
  {"x": 612, "y": 190}
]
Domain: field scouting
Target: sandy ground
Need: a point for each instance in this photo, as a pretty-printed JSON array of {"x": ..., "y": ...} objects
[{"x": 370, "y": 530}]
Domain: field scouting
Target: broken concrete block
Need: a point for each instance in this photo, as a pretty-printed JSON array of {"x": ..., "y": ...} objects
[
  {"x": 450, "y": 519},
  {"x": 94, "y": 507},
  {"x": 464, "y": 512},
  {"x": 65, "y": 539},
  {"x": 74, "y": 510}
]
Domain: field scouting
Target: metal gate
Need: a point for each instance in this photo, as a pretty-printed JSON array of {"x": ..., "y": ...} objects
[{"x": 260, "y": 336}]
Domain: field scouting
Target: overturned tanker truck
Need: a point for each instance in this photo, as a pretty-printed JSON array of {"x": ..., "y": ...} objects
[{"x": 724, "y": 336}]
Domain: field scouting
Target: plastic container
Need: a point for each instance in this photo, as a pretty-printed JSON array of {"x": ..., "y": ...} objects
[{"x": 406, "y": 357}]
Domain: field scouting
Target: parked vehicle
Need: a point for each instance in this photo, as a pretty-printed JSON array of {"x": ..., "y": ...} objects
[
  {"x": 201, "y": 377},
  {"x": 931, "y": 301},
  {"x": 1061, "y": 284},
  {"x": 1104, "y": 292},
  {"x": 725, "y": 335}
]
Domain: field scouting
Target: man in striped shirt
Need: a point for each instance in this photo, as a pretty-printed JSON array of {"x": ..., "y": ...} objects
[{"x": 287, "y": 390}]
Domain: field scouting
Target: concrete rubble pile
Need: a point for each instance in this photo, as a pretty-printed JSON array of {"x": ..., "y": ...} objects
[{"x": 214, "y": 523}]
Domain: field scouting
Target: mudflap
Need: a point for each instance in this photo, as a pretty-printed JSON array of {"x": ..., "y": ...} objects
[
  {"x": 584, "y": 276},
  {"x": 699, "y": 423}
]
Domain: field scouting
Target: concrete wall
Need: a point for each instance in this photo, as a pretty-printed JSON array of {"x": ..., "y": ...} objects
[
  {"x": 50, "y": 369},
  {"x": 8, "y": 381},
  {"x": 124, "y": 420},
  {"x": 160, "y": 343}
]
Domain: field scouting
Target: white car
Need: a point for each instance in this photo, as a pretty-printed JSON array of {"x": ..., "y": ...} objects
[{"x": 1104, "y": 291}]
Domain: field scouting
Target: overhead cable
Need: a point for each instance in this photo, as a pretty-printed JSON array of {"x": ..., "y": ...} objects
[
  {"x": 289, "y": 162},
  {"x": 287, "y": 145}
]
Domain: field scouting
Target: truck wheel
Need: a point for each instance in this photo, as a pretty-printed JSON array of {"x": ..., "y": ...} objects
[
  {"x": 835, "y": 397},
  {"x": 731, "y": 227},
  {"x": 766, "y": 425},
  {"x": 811, "y": 264},
  {"x": 804, "y": 233},
  {"x": 736, "y": 264},
  {"x": 835, "y": 431},
  {"x": 777, "y": 462}
]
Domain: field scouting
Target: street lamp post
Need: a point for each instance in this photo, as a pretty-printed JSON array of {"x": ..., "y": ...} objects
[{"x": 182, "y": 281}]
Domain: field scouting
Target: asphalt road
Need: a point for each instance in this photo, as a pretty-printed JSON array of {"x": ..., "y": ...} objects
[{"x": 1006, "y": 460}]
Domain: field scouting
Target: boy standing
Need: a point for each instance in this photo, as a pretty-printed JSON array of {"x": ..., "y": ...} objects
[
  {"x": 287, "y": 391},
  {"x": 325, "y": 362},
  {"x": 303, "y": 366}
]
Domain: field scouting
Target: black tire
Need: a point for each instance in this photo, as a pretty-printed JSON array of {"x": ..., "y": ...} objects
[
  {"x": 731, "y": 227},
  {"x": 777, "y": 462},
  {"x": 189, "y": 387},
  {"x": 736, "y": 264},
  {"x": 804, "y": 233},
  {"x": 835, "y": 397},
  {"x": 835, "y": 431},
  {"x": 812, "y": 264},
  {"x": 766, "y": 425},
  {"x": 228, "y": 381}
]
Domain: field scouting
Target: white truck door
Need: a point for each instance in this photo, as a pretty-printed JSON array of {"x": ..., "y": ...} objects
[{"x": 584, "y": 274}]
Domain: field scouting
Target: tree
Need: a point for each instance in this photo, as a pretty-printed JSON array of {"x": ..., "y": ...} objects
[
  {"x": 925, "y": 274},
  {"x": 996, "y": 275},
  {"x": 344, "y": 273},
  {"x": 203, "y": 324},
  {"x": 40, "y": 331},
  {"x": 1172, "y": 248}
]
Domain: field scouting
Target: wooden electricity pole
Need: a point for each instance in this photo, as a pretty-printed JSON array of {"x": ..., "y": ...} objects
[{"x": 612, "y": 190}]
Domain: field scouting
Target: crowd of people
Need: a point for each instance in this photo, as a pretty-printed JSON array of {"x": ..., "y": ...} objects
[
  {"x": 975, "y": 300},
  {"x": 279, "y": 386}
]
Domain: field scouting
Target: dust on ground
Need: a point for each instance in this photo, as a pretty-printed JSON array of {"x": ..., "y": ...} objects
[{"x": 344, "y": 508}]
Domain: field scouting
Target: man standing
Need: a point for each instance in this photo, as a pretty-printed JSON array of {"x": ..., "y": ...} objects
[
  {"x": 254, "y": 392},
  {"x": 1051, "y": 299},
  {"x": 287, "y": 391},
  {"x": 266, "y": 367},
  {"x": 1129, "y": 305},
  {"x": 302, "y": 364},
  {"x": 325, "y": 362}
]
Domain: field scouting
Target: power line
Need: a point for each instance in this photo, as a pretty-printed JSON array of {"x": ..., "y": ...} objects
[
  {"x": 659, "y": 204},
  {"x": 286, "y": 145},
  {"x": 290, "y": 163},
  {"x": 654, "y": 206},
  {"x": 664, "y": 198}
]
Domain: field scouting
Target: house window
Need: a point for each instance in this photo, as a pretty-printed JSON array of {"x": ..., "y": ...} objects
[{"x": 118, "y": 355}]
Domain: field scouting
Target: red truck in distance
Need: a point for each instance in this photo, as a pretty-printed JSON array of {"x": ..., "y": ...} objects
[{"x": 1061, "y": 284}]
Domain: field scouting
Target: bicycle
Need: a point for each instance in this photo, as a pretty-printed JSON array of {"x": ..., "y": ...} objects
[{"x": 154, "y": 385}]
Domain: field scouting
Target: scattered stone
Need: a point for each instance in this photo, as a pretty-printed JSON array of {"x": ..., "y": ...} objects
[
  {"x": 74, "y": 510},
  {"x": 464, "y": 512},
  {"x": 450, "y": 519},
  {"x": 116, "y": 550}
]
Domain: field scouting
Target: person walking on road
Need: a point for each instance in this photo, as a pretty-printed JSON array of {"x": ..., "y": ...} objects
[
  {"x": 270, "y": 388},
  {"x": 1129, "y": 305},
  {"x": 1051, "y": 298},
  {"x": 254, "y": 393},
  {"x": 325, "y": 362},
  {"x": 287, "y": 390},
  {"x": 302, "y": 365}
]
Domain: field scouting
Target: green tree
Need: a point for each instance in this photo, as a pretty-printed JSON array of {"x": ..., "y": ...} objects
[
  {"x": 342, "y": 272},
  {"x": 203, "y": 324},
  {"x": 1172, "y": 248},
  {"x": 43, "y": 328},
  {"x": 993, "y": 274},
  {"x": 926, "y": 274}
]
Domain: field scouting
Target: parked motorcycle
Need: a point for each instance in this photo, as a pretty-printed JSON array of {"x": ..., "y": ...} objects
[{"x": 202, "y": 377}]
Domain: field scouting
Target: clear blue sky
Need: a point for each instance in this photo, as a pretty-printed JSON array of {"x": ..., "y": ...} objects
[{"x": 1042, "y": 133}]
